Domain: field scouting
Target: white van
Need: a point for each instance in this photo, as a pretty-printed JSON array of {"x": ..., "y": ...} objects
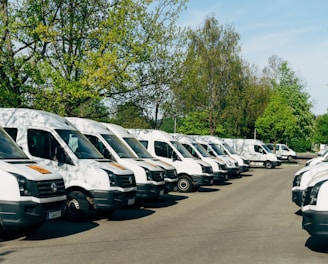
[
  {"x": 302, "y": 178},
  {"x": 226, "y": 149},
  {"x": 255, "y": 151},
  {"x": 92, "y": 182},
  {"x": 317, "y": 160},
  {"x": 149, "y": 177},
  {"x": 282, "y": 151},
  {"x": 315, "y": 206},
  {"x": 171, "y": 175},
  {"x": 192, "y": 172},
  {"x": 29, "y": 193},
  {"x": 215, "y": 151},
  {"x": 220, "y": 171}
]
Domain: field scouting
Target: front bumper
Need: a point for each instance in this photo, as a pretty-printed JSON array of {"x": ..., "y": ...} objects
[
  {"x": 220, "y": 176},
  {"x": 149, "y": 191},
  {"x": 315, "y": 223},
  {"x": 28, "y": 214},
  {"x": 171, "y": 186},
  {"x": 109, "y": 200},
  {"x": 233, "y": 171},
  {"x": 202, "y": 180}
]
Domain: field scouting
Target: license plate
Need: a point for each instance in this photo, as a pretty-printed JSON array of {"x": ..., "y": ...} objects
[
  {"x": 175, "y": 188},
  {"x": 161, "y": 192},
  {"x": 131, "y": 201},
  {"x": 54, "y": 214}
]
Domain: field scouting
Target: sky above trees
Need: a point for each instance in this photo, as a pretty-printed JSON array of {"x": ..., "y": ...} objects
[{"x": 295, "y": 30}]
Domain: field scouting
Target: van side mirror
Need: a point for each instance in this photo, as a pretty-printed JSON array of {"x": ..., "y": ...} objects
[
  {"x": 61, "y": 156},
  {"x": 174, "y": 156},
  {"x": 107, "y": 154}
]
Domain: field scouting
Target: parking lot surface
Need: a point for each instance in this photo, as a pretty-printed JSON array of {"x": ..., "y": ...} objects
[{"x": 246, "y": 220}]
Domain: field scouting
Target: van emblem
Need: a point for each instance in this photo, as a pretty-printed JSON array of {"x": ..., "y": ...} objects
[
  {"x": 130, "y": 180},
  {"x": 53, "y": 187}
]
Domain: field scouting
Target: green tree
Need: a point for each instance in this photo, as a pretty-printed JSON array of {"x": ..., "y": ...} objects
[
  {"x": 289, "y": 86},
  {"x": 196, "y": 123},
  {"x": 130, "y": 115},
  {"x": 213, "y": 50},
  {"x": 321, "y": 129},
  {"x": 277, "y": 121}
]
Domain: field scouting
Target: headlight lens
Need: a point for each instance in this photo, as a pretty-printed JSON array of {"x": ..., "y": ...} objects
[
  {"x": 314, "y": 193},
  {"x": 148, "y": 174},
  {"x": 25, "y": 185},
  {"x": 112, "y": 178},
  {"x": 297, "y": 179}
]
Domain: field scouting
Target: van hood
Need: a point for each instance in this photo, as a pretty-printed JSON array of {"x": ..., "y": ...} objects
[
  {"x": 29, "y": 169},
  {"x": 106, "y": 165}
]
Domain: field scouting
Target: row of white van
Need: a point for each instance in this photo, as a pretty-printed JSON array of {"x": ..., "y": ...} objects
[
  {"x": 310, "y": 192},
  {"x": 100, "y": 167}
]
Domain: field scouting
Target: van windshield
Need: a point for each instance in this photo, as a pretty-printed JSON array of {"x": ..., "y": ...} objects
[
  {"x": 138, "y": 148},
  {"x": 121, "y": 150},
  {"x": 184, "y": 152},
  {"x": 202, "y": 150},
  {"x": 230, "y": 149},
  {"x": 217, "y": 149},
  {"x": 8, "y": 148},
  {"x": 79, "y": 144}
]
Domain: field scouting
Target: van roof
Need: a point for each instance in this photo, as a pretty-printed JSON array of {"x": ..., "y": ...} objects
[
  {"x": 89, "y": 126},
  {"x": 118, "y": 130},
  {"x": 15, "y": 117},
  {"x": 183, "y": 138},
  {"x": 148, "y": 134}
]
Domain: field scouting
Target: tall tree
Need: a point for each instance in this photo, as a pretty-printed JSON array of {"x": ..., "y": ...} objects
[
  {"x": 213, "y": 51},
  {"x": 289, "y": 86},
  {"x": 321, "y": 129},
  {"x": 277, "y": 121}
]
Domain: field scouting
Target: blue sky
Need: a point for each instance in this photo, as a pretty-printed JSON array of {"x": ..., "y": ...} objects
[{"x": 294, "y": 30}]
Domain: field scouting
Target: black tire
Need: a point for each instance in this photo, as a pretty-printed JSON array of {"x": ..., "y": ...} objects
[
  {"x": 77, "y": 207},
  {"x": 185, "y": 184},
  {"x": 268, "y": 165}
]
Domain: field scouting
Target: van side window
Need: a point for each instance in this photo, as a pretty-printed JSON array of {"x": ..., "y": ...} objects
[
  {"x": 163, "y": 149},
  {"x": 258, "y": 149},
  {"x": 191, "y": 150},
  {"x": 96, "y": 142},
  {"x": 41, "y": 144},
  {"x": 12, "y": 132},
  {"x": 145, "y": 143}
]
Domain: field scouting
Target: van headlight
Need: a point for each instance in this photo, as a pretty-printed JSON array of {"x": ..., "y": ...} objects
[
  {"x": 297, "y": 179},
  {"x": 314, "y": 192},
  {"x": 25, "y": 186},
  {"x": 148, "y": 174},
  {"x": 112, "y": 178}
]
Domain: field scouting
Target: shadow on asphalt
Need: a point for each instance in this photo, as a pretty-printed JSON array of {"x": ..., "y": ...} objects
[
  {"x": 299, "y": 212},
  {"x": 208, "y": 189},
  {"x": 50, "y": 229},
  {"x": 317, "y": 244}
]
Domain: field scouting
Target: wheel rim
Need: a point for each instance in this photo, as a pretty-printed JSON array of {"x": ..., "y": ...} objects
[{"x": 73, "y": 206}]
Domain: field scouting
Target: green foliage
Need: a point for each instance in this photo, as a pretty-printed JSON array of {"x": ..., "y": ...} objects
[
  {"x": 130, "y": 115},
  {"x": 321, "y": 129},
  {"x": 277, "y": 121},
  {"x": 212, "y": 53},
  {"x": 196, "y": 123}
]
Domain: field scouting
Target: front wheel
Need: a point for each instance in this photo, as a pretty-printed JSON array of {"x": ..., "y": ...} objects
[
  {"x": 268, "y": 165},
  {"x": 77, "y": 207},
  {"x": 185, "y": 184}
]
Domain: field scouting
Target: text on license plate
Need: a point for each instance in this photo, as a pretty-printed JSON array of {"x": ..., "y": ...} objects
[{"x": 54, "y": 214}]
